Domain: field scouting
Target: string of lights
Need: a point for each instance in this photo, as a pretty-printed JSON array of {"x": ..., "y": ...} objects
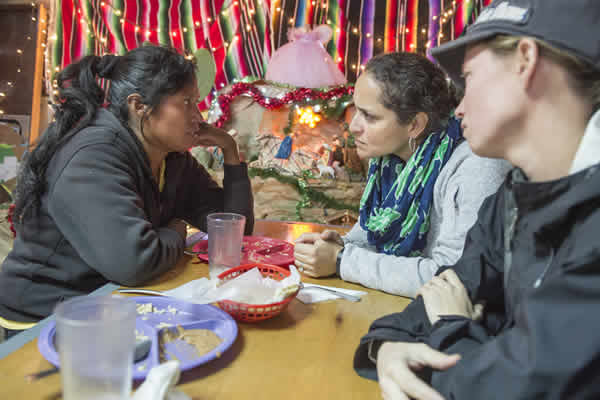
[
  {"x": 7, "y": 86},
  {"x": 232, "y": 33},
  {"x": 147, "y": 31}
]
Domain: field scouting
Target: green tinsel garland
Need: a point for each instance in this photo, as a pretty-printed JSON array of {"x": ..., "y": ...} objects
[{"x": 307, "y": 193}]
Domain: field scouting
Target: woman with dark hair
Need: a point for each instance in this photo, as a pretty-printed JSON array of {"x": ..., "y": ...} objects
[
  {"x": 532, "y": 96},
  {"x": 105, "y": 193},
  {"x": 424, "y": 185}
]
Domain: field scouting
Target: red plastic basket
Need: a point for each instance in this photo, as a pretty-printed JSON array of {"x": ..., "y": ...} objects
[{"x": 255, "y": 312}]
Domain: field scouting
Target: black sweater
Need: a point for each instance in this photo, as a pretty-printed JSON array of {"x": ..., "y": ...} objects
[{"x": 104, "y": 219}]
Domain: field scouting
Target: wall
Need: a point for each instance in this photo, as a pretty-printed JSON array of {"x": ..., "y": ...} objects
[{"x": 242, "y": 35}]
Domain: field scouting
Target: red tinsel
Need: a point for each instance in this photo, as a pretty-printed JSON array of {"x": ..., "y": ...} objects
[
  {"x": 9, "y": 218},
  {"x": 272, "y": 103}
]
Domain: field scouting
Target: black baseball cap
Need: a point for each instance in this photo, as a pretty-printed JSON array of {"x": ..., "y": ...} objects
[{"x": 570, "y": 25}]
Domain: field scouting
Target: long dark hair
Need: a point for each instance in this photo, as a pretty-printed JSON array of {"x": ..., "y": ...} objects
[
  {"x": 410, "y": 84},
  {"x": 153, "y": 72}
]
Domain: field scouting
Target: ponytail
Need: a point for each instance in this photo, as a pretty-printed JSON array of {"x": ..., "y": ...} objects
[
  {"x": 152, "y": 72},
  {"x": 79, "y": 97}
]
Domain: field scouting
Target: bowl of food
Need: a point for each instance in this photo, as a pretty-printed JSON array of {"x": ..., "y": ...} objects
[{"x": 258, "y": 312}]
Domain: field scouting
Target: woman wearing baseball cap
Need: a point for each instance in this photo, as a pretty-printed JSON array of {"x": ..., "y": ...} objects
[{"x": 531, "y": 71}]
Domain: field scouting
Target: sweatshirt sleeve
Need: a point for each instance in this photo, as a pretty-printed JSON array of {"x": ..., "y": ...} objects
[
  {"x": 459, "y": 195},
  {"x": 479, "y": 268},
  {"x": 96, "y": 205},
  {"x": 356, "y": 236},
  {"x": 206, "y": 196}
]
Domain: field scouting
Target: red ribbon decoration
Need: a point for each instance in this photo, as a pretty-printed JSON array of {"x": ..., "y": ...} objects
[{"x": 272, "y": 103}]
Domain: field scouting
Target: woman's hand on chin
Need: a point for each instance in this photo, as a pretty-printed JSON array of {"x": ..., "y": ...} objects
[{"x": 212, "y": 136}]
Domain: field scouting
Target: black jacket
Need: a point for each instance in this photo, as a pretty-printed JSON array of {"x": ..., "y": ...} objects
[
  {"x": 104, "y": 219},
  {"x": 534, "y": 257}
]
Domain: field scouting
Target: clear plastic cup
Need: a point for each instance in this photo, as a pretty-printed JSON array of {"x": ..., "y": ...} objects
[
  {"x": 96, "y": 341},
  {"x": 225, "y": 236}
]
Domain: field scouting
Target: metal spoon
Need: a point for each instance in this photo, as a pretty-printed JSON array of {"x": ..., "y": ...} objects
[
  {"x": 143, "y": 291},
  {"x": 346, "y": 296}
]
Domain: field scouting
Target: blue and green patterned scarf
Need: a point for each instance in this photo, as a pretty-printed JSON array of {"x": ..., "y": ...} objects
[{"x": 395, "y": 206}]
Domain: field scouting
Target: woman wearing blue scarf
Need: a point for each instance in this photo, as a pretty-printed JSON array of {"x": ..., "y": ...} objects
[{"x": 424, "y": 186}]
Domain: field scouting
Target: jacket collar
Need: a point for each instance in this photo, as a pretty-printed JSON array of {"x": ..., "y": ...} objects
[
  {"x": 588, "y": 152},
  {"x": 555, "y": 201}
]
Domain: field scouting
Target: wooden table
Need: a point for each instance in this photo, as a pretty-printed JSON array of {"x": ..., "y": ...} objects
[{"x": 305, "y": 353}]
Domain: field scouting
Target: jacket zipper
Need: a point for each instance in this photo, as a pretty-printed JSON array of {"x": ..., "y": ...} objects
[
  {"x": 508, "y": 236},
  {"x": 539, "y": 280}
]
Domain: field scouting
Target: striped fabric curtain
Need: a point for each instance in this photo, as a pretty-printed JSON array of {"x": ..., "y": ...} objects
[{"x": 242, "y": 34}]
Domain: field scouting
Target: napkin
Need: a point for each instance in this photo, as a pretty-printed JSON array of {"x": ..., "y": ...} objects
[
  {"x": 160, "y": 384},
  {"x": 308, "y": 295},
  {"x": 200, "y": 291},
  {"x": 250, "y": 287}
]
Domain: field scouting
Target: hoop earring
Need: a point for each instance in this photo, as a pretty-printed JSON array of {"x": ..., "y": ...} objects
[{"x": 412, "y": 143}]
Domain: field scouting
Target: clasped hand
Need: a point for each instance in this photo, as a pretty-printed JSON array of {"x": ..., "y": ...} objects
[
  {"x": 316, "y": 253},
  {"x": 397, "y": 362},
  {"x": 446, "y": 295}
]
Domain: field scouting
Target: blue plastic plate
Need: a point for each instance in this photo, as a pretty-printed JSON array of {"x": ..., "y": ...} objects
[{"x": 171, "y": 312}]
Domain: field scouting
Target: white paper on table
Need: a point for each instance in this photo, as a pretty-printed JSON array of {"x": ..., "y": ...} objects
[
  {"x": 160, "y": 383},
  {"x": 250, "y": 287},
  {"x": 308, "y": 296},
  {"x": 200, "y": 291}
]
